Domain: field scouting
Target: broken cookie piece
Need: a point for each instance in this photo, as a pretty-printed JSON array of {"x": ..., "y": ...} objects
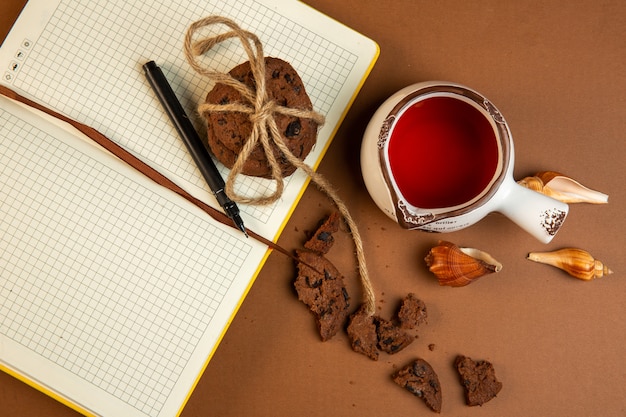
[
  {"x": 320, "y": 286},
  {"x": 323, "y": 238},
  {"x": 420, "y": 379},
  {"x": 412, "y": 312},
  {"x": 370, "y": 333},
  {"x": 362, "y": 333},
  {"x": 391, "y": 338},
  {"x": 478, "y": 379}
]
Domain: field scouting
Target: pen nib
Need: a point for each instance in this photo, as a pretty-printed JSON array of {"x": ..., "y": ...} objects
[{"x": 238, "y": 222}]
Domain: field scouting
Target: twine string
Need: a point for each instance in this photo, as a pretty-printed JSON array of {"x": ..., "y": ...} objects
[{"x": 261, "y": 112}]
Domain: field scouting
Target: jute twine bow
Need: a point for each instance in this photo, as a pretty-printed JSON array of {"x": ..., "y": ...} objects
[{"x": 261, "y": 111}]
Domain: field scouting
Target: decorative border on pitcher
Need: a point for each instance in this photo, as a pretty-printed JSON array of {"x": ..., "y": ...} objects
[
  {"x": 411, "y": 218},
  {"x": 383, "y": 135},
  {"x": 493, "y": 111}
]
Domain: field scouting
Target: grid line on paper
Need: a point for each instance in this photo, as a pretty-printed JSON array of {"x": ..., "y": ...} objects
[
  {"x": 101, "y": 276},
  {"x": 99, "y": 46}
]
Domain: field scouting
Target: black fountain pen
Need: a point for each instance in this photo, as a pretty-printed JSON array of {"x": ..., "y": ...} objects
[{"x": 196, "y": 148}]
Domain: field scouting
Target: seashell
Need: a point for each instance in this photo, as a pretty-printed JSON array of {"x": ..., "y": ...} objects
[
  {"x": 563, "y": 188},
  {"x": 455, "y": 266},
  {"x": 576, "y": 262}
]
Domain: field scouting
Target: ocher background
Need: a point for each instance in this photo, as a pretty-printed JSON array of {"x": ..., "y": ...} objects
[{"x": 557, "y": 71}]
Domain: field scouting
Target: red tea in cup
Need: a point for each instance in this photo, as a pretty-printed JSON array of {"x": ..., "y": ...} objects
[
  {"x": 442, "y": 152},
  {"x": 438, "y": 156}
]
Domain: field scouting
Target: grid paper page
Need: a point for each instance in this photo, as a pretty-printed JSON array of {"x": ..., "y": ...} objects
[
  {"x": 102, "y": 276},
  {"x": 87, "y": 64}
]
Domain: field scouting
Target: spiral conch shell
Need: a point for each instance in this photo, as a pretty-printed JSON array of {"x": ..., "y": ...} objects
[
  {"x": 576, "y": 262},
  {"x": 457, "y": 267},
  {"x": 563, "y": 188}
]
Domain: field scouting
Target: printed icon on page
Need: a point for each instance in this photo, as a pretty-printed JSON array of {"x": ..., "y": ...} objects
[
  {"x": 14, "y": 66},
  {"x": 8, "y": 77},
  {"x": 20, "y": 55},
  {"x": 26, "y": 44}
]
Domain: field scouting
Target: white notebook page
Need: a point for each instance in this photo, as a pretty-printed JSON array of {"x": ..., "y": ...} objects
[{"x": 112, "y": 286}]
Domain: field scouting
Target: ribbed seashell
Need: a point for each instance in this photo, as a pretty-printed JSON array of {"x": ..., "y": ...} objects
[
  {"x": 456, "y": 267},
  {"x": 576, "y": 262},
  {"x": 563, "y": 188}
]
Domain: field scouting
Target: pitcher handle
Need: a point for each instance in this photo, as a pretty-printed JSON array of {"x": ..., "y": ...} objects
[{"x": 538, "y": 214}]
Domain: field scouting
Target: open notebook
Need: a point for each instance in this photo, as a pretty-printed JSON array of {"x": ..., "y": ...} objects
[{"x": 115, "y": 291}]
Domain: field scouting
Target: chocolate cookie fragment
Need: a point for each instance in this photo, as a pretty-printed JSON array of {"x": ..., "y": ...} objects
[
  {"x": 391, "y": 338},
  {"x": 368, "y": 334},
  {"x": 420, "y": 379},
  {"x": 227, "y": 132},
  {"x": 478, "y": 379},
  {"x": 362, "y": 333},
  {"x": 322, "y": 289},
  {"x": 412, "y": 312},
  {"x": 323, "y": 238}
]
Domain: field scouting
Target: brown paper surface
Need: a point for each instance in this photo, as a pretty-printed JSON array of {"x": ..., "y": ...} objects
[{"x": 557, "y": 72}]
